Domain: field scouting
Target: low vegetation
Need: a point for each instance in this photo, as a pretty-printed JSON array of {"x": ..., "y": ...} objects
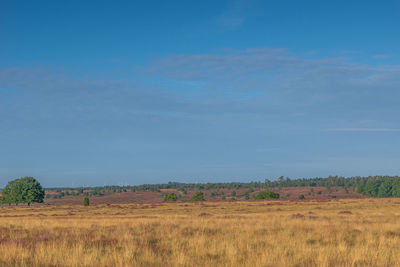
[
  {"x": 347, "y": 232},
  {"x": 171, "y": 197},
  {"x": 373, "y": 186},
  {"x": 198, "y": 196},
  {"x": 86, "y": 201}
]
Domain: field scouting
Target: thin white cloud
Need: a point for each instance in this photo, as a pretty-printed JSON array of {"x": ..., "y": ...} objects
[
  {"x": 381, "y": 56},
  {"x": 362, "y": 130},
  {"x": 276, "y": 69},
  {"x": 234, "y": 16}
]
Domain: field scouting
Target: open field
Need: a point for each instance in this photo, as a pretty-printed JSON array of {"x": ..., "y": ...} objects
[{"x": 342, "y": 232}]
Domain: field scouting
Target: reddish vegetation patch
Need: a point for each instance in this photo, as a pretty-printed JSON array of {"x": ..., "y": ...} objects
[
  {"x": 297, "y": 216},
  {"x": 345, "y": 212},
  {"x": 286, "y": 193},
  {"x": 204, "y": 214}
]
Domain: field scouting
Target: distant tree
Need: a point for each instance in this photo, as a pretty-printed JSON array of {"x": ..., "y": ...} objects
[
  {"x": 23, "y": 190},
  {"x": 396, "y": 189},
  {"x": 266, "y": 194},
  {"x": 198, "y": 196},
  {"x": 170, "y": 197},
  {"x": 85, "y": 201},
  {"x": 302, "y": 197},
  {"x": 371, "y": 188},
  {"x": 233, "y": 194},
  {"x": 385, "y": 189}
]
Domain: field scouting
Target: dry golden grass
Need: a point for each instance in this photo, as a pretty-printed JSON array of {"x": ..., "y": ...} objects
[{"x": 358, "y": 232}]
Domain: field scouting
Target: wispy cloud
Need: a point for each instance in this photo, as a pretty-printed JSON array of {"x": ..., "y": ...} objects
[
  {"x": 381, "y": 56},
  {"x": 275, "y": 66},
  {"x": 234, "y": 16},
  {"x": 272, "y": 86},
  {"x": 362, "y": 130},
  {"x": 277, "y": 81}
]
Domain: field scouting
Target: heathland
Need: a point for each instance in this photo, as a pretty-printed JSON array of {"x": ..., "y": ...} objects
[{"x": 316, "y": 232}]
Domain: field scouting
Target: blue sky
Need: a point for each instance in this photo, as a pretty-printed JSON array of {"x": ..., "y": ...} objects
[{"x": 129, "y": 92}]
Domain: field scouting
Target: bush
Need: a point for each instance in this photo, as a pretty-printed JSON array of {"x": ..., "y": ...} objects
[
  {"x": 198, "y": 196},
  {"x": 170, "y": 197},
  {"x": 266, "y": 194},
  {"x": 85, "y": 201},
  {"x": 302, "y": 197}
]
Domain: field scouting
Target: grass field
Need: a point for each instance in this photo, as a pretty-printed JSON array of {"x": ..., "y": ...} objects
[{"x": 346, "y": 232}]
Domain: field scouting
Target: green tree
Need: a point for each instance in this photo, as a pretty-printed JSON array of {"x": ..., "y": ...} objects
[
  {"x": 198, "y": 196},
  {"x": 23, "y": 190},
  {"x": 385, "y": 189},
  {"x": 371, "y": 188},
  {"x": 396, "y": 188},
  {"x": 170, "y": 197},
  {"x": 85, "y": 201}
]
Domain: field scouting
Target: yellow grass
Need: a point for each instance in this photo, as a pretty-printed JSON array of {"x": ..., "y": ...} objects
[{"x": 363, "y": 232}]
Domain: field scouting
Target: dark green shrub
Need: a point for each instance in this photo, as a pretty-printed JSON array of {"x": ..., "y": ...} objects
[
  {"x": 302, "y": 197},
  {"x": 170, "y": 197},
  {"x": 266, "y": 194},
  {"x": 85, "y": 201},
  {"x": 198, "y": 196}
]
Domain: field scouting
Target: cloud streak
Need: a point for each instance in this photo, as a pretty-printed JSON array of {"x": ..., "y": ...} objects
[
  {"x": 234, "y": 16},
  {"x": 270, "y": 85},
  {"x": 272, "y": 67},
  {"x": 362, "y": 130}
]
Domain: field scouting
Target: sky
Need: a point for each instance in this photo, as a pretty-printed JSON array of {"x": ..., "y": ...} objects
[{"x": 97, "y": 93}]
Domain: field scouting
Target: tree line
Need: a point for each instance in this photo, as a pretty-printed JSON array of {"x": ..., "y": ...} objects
[
  {"x": 28, "y": 190},
  {"x": 373, "y": 186}
]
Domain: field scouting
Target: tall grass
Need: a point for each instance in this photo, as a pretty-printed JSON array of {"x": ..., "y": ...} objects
[{"x": 268, "y": 233}]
